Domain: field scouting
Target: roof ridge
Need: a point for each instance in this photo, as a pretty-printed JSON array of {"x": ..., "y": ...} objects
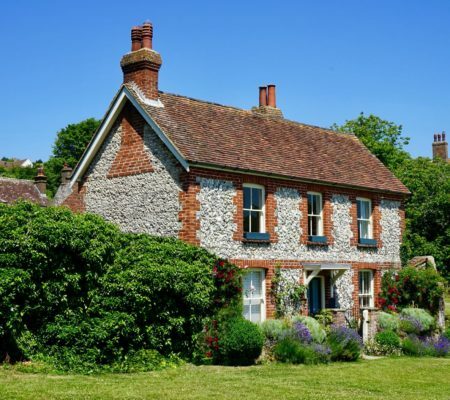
[
  {"x": 6, "y": 178},
  {"x": 250, "y": 112}
]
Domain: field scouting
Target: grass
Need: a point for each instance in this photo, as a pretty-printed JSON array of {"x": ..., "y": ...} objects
[{"x": 398, "y": 378}]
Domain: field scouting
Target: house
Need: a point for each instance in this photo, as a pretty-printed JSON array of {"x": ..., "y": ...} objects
[
  {"x": 12, "y": 190},
  {"x": 249, "y": 185},
  {"x": 16, "y": 163}
]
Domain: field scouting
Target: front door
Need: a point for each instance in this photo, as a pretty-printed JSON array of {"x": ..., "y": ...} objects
[{"x": 315, "y": 295}]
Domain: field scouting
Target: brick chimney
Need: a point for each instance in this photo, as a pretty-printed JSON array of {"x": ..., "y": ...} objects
[
  {"x": 40, "y": 180},
  {"x": 440, "y": 146},
  {"x": 267, "y": 102},
  {"x": 142, "y": 64}
]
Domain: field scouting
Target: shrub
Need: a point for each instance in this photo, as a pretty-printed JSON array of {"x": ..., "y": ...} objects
[
  {"x": 272, "y": 329},
  {"x": 240, "y": 342},
  {"x": 388, "y": 322},
  {"x": 422, "y": 287},
  {"x": 301, "y": 333},
  {"x": 410, "y": 325},
  {"x": 447, "y": 333},
  {"x": 388, "y": 339},
  {"x": 441, "y": 346},
  {"x": 345, "y": 343},
  {"x": 372, "y": 347},
  {"x": 77, "y": 290},
  {"x": 426, "y": 320},
  {"x": 289, "y": 350},
  {"x": 317, "y": 332},
  {"x": 413, "y": 346}
]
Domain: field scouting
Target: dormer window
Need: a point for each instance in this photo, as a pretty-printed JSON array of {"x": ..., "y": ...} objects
[
  {"x": 315, "y": 217},
  {"x": 254, "y": 213}
]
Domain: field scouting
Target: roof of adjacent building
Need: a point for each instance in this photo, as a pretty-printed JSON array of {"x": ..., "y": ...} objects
[
  {"x": 206, "y": 133},
  {"x": 12, "y": 190}
]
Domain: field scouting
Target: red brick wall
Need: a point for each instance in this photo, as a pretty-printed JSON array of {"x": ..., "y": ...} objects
[
  {"x": 75, "y": 201},
  {"x": 132, "y": 158}
]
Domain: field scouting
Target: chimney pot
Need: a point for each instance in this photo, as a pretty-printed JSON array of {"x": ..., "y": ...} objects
[
  {"x": 439, "y": 137},
  {"x": 443, "y": 136},
  {"x": 271, "y": 99},
  {"x": 136, "y": 38},
  {"x": 435, "y": 137},
  {"x": 147, "y": 35},
  {"x": 262, "y": 96}
]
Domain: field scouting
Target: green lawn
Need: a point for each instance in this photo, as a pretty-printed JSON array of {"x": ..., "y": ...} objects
[{"x": 396, "y": 378}]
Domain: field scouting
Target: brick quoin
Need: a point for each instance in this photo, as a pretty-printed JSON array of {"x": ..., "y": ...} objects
[{"x": 132, "y": 157}]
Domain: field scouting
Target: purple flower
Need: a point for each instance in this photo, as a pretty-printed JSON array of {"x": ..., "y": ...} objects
[
  {"x": 442, "y": 346},
  {"x": 345, "y": 335},
  {"x": 321, "y": 350},
  {"x": 302, "y": 333}
]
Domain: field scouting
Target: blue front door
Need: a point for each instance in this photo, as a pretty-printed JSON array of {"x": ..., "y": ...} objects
[{"x": 315, "y": 295}]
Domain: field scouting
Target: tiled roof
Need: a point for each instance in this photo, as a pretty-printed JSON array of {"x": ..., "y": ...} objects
[
  {"x": 12, "y": 190},
  {"x": 229, "y": 137}
]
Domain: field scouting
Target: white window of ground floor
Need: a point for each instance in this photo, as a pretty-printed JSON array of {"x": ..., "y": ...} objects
[
  {"x": 254, "y": 288},
  {"x": 366, "y": 288}
]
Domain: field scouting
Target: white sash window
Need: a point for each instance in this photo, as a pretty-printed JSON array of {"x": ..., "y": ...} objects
[
  {"x": 315, "y": 221},
  {"x": 254, "y": 295},
  {"x": 366, "y": 288},
  {"x": 364, "y": 207}
]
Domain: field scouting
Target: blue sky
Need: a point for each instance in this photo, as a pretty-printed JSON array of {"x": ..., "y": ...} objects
[{"x": 329, "y": 59}]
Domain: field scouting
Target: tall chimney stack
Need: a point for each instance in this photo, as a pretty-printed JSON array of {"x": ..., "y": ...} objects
[
  {"x": 142, "y": 64},
  {"x": 268, "y": 103},
  {"x": 440, "y": 147},
  {"x": 40, "y": 180}
]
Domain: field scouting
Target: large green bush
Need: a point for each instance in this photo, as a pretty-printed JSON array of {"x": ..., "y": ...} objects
[
  {"x": 76, "y": 289},
  {"x": 240, "y": 342}
]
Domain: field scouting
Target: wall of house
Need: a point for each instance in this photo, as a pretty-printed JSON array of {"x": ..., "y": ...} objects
[
  {"x": 214, "y": 202},
  {"x": 134, "y": 181}
]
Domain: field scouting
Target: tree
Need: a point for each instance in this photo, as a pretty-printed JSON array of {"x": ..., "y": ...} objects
[
  {"x": 427, "y": 210},
  {"x": 383, "y": 138},
  {"x": 69, "y": 145}
]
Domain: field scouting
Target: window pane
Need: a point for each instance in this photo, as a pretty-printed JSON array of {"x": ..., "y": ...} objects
[
  {"x": 247, "y": 197},
  {"x": 313, "y": 223},
  {"x": 256, "y": 199},
  {"x": 255, "y": 221},
  {"x": 246, "y": 221},
  {"x": 256, "y": 284},
  {"x": 363, "y": 209},
  {"x": 310, "y": 201},
  {"x": 255, "y": 315},
  {"x": 363, "y": 228},
  {"x": 247, "y": 283},
  {"x": 317, "y": 206}
]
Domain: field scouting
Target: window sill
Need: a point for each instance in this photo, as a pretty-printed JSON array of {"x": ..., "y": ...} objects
[
  {"x": 367, "y": 243},
  {"x": 256, "y": 237},
  {"x": 317, "y": 241}
]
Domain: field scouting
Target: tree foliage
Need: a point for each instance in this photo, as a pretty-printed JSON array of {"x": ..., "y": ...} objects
[
  {"x": 383, "y": 138},
  {"x": 69, "y": 146}
]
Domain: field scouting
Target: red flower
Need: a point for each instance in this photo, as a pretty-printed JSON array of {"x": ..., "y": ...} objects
[
  {"x": 221, "y": 263},
  {"x": 208, "y": 354},
  {"x": 392, "y": 308}
]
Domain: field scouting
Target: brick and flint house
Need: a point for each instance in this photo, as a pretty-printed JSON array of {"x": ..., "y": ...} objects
[{"x": 248, "y": 185}]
